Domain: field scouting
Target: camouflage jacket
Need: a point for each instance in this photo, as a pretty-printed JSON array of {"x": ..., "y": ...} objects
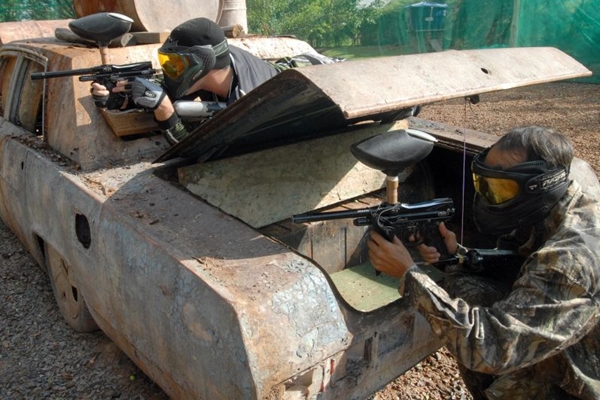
[{"x": 546, "y": 331}]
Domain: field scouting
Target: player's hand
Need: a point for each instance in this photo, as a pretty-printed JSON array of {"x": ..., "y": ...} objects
[
  {"x": 391, "y": 258},
  {"x": 100, "y": 94},
  {"x": 146, "y": 94},
  {"x": 430, "y": 254}
]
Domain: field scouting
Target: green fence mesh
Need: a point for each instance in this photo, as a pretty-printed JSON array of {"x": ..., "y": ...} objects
[
  {"x": 573, "y": 26},
  {"x": 18, "y": 10},
  {"x": 406, "y": 26}
]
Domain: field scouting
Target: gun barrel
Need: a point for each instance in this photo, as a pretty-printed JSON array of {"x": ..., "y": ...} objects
[
  {"x": 325, "y": 216},
  {"x": 435, "y": 209},
  {"x": 60, "y": 74},
  {"x": 117, "y": 75},
  {"x": 143, "y": 68}
]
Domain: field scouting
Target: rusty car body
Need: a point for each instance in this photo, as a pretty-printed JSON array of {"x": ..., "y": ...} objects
[{"x": 185, "y": 256}]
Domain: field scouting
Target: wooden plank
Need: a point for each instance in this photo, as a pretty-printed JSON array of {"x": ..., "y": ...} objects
[
  {"x": 363, "y": 289},
  {"x": 364, "y": 87},
  {"x": 369, "y": 89},
  {"x": 130, "y": 122}
]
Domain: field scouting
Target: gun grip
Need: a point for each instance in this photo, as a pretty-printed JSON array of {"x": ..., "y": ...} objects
[
  {"x": 115, "y": 100},
  {"x": 387, "y": 232},
  {"x": 434, "y": 238}
]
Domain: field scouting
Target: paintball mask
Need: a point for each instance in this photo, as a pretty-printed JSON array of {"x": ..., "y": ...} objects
[
  {"x": 183, "y": 66},
  {"x": 519, "y": 196}
]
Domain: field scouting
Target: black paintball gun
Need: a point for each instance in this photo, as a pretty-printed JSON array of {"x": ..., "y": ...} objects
[
  {"x": 415, "y": 223},
  {"x": 102, "y": 28},
  {"x": 411, "y": 223},
  {"x": 392, "y": 152},
  {"x": 107, "y": 75}
]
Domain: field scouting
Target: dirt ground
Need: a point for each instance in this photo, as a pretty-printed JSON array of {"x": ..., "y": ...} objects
[{"x": 40, "y": 357}]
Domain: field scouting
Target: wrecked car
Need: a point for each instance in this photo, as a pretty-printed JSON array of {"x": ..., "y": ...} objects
[{"x": 187, "y": 256}]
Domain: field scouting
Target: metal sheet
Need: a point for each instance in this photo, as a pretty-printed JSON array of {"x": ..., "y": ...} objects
[{"x": 326, "y": 99}]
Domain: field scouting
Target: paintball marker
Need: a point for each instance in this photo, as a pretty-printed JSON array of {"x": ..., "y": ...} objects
[
  {"x": 418, "y": 223},
  {"x": 102, "y": 28},
  {"x": 392, "y": 152},
  {"x": 107, "y": 75},
  {"x": 197, "y": 110},
  {"x": 411, "y": 223}
]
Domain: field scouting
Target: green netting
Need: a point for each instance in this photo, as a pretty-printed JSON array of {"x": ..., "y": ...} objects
[
  {"x": 385, "y": 27},
  {"x": 573, "y": 26},
  {"x": 20, "y": 10}
]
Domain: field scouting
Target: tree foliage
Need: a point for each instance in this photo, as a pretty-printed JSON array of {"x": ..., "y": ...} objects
[
  {"x": 319, "y": 22},
  {"x": 20, "y": 10},
  {"x": 570, "y": 25}
]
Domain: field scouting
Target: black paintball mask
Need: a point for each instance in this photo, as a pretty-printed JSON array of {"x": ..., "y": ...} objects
[
  {"x": 518, "y": 196},
  {"x": 183, "y": 66}
]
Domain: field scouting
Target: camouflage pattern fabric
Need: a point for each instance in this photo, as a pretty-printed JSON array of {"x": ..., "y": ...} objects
[{"x": 542, "y": 339}]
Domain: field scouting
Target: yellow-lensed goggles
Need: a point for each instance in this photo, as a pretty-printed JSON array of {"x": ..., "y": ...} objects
[
  {"x": 499, "y": 186},
  {"x": 496, "y": 190},
  {"x": 173, "y": 64},
  {"x": 176, "y": 60}
]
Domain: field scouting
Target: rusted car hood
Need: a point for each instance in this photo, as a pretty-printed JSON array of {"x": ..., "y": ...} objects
[{"x": 320, "y": 100}]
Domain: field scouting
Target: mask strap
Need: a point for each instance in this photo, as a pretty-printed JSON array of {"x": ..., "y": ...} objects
[
  {"x": 220, "y": 48},
  {"x": 547, "y": 181}
]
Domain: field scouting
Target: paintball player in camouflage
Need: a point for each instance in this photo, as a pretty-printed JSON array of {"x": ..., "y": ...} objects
[{"x": 539, "y": 336}]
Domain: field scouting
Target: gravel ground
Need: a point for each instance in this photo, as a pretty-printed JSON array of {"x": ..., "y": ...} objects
[{"x": 42, "y": 358}]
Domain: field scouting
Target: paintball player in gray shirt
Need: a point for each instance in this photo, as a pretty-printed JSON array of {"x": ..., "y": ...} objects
[
  {"x": 539, "y": 337},
  {"x": 196, "y": 62}
]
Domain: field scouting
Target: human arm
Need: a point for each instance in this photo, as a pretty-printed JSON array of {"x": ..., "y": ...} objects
[
  {"x": 164, "y": 113},
  {"x": 548, "y": 309},
  {"x": 554, "y": 303},
  {"x": 392, "y": 258}
]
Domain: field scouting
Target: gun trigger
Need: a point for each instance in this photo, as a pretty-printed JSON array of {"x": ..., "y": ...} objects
[{"x": 389, "y": 234}]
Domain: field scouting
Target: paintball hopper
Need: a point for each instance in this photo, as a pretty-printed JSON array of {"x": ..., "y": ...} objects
[
  {"x": 391, "y": 153},
  {"x": 101, "y": 28}
]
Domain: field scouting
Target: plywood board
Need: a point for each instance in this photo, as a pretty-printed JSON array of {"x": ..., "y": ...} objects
[{"x": 269, "y": 186}]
